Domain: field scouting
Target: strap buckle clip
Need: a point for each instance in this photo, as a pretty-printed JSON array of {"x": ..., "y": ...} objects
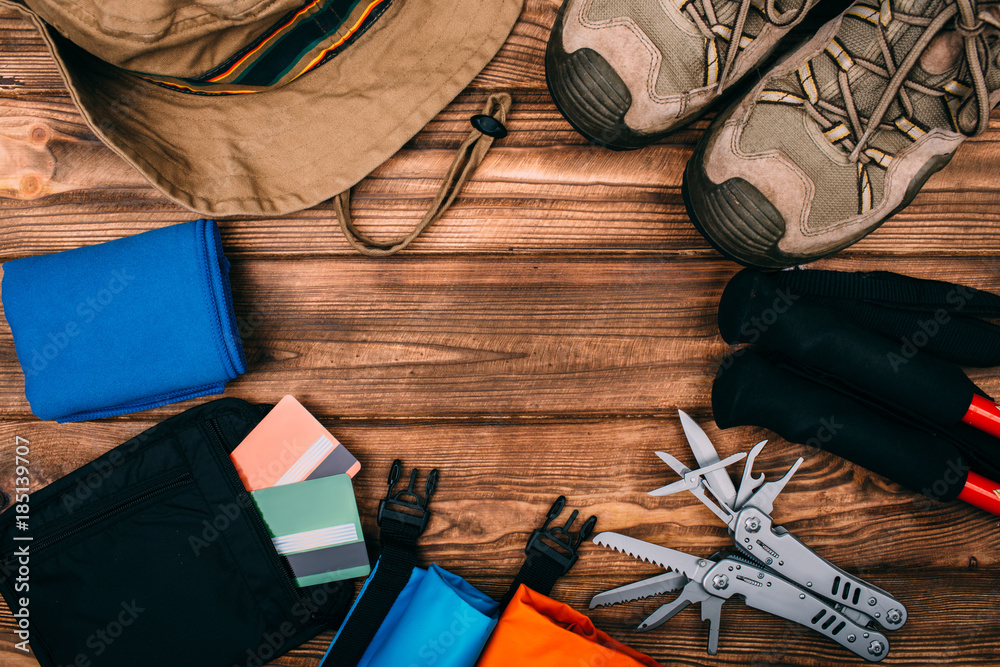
[
  {"x": 409, "y": 512},
  {"x": 557, "y": 543}
]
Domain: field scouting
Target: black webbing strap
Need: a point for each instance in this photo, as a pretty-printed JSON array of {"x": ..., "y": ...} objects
[
  {"x": 936, "y": 316},
  {"x": 402, "y": 518},
  {"x": 550, "y": 553}
]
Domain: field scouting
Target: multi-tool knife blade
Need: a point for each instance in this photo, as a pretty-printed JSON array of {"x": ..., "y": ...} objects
[
  {"x": 661, "y": 583},
  {"x": 754, "y": 533},
  {"x": 711, "y": 581},
  {"x": 704, "y": 452}
]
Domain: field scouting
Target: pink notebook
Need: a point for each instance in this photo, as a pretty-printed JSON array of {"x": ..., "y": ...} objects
[{"x": 289, "y": 445}]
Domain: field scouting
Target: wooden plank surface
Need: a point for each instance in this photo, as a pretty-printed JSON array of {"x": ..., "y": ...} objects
[{"x": 537, "y": 341}]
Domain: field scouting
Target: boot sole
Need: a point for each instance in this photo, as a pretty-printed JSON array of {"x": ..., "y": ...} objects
[
  {"x": 772, "y": 258},
  {"x": 571, "y": 78},
  {"x": 693, "y": 173}
]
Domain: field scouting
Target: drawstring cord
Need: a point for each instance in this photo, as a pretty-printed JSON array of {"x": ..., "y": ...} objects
[{"x": 470, "y": 155}]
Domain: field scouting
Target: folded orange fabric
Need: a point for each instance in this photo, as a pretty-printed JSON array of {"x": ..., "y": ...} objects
[{"x": 537, "y": 630}]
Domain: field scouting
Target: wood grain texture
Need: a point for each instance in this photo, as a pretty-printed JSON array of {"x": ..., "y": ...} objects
[
  {"x": 499, "y": 476},
  {"x": 461, "y": 337},
  {"x": 537, "y": 341},
  {"x": 538, "y": 191}
]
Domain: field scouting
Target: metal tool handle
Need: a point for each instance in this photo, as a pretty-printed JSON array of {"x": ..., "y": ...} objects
[
  {"x": 785, "y": 554},
  {"x": 768, "y": 592}
]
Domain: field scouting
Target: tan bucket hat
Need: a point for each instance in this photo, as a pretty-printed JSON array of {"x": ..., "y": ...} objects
[{"x": 265, "y": 107}]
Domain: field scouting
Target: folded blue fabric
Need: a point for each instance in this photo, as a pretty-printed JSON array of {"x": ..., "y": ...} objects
[
  {"x": 126, "y": 325},
  {"x": 438, "y": 619}
]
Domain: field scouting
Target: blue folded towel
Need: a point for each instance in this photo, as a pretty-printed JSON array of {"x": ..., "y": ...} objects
[{"x": 124, "y": 326}]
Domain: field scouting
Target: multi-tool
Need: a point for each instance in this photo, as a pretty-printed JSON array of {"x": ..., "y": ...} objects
[{"x": 771, "y": 569}]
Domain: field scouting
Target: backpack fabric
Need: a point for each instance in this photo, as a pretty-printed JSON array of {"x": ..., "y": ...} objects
[{"x": 154, "y": 555}]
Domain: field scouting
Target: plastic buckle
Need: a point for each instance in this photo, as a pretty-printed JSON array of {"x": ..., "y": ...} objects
[
  {"x": 557, "y": 543},
  {"x": 395, "y": 508}
]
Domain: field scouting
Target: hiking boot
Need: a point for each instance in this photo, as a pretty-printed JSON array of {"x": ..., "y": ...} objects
[
  {"x": 626, "y": 72},
  {"x": 844, "y": 131}
]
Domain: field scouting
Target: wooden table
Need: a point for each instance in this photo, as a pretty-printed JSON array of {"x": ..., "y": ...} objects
[{"x": 537, "y": 341}]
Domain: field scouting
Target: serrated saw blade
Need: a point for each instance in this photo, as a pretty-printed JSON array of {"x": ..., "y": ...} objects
[
  {"x": 668, "y": 559},
  {"x": 664, "y": 583}
]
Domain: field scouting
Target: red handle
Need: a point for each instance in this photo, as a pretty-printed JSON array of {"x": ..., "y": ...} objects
[
  {"x": 983, "y": 414},
  {"x": 982, "y": 493}
]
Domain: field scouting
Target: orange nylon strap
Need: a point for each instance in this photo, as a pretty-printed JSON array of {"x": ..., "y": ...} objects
[{"x": 470, "y": 155}]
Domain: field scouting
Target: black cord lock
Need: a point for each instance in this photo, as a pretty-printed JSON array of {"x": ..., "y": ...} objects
[{"x": 489, "y": 126}]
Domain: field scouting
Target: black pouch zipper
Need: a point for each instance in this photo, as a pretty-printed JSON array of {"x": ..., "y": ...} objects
[
  {"x": 98, "y": 517},
  {"x": 236, "y": 485}
]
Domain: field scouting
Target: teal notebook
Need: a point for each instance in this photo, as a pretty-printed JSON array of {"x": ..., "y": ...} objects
[{"x": 315, "y": 524}]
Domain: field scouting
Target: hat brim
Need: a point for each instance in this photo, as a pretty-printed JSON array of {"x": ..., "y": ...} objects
[{"x": 287, "y": 149}]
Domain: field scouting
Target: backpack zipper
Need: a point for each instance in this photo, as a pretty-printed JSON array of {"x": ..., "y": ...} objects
[{"x": 97, "y": 517}]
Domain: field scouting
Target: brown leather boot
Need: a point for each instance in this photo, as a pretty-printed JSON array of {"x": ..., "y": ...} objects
[
  {"x": 845, "y": 131},
  {"x": 626, "y": 72}
]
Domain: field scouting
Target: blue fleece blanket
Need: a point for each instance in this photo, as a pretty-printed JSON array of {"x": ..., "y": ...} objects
[{"x": 124, "y": 326}]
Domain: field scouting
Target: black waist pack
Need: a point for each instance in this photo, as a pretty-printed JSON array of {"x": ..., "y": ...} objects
[{"x": 155, "y": 555}]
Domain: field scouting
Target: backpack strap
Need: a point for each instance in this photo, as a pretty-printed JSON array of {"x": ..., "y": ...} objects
[
  {"x": 550, "y": 553},
  {"x": 402, "y": 519}
]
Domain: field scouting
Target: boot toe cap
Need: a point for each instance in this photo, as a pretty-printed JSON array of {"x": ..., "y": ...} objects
[{"x": 739, "y": 220}]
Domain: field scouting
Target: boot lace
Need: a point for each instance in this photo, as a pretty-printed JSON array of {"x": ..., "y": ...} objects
[
  {"x": 843, "y": 124},
  {"x": 720, "y": 37}
]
